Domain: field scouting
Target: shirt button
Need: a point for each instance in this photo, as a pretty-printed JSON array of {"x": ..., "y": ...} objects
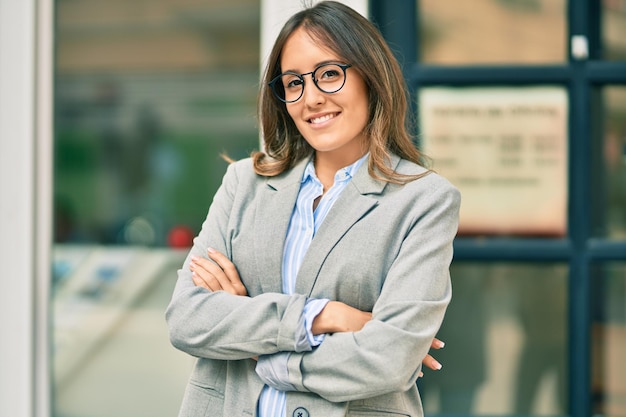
[{"x": 300, "y": 412}]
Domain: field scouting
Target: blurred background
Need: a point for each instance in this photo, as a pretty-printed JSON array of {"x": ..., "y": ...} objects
[
  {"x": 148, "y": 95},
  {"x": 520, "y": 103}
]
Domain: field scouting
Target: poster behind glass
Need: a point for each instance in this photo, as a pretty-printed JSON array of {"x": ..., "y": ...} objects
[{"x": 506, "y": 150}]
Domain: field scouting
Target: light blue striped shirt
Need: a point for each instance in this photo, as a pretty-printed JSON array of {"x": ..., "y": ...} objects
[{"x": 303, "y": 225}]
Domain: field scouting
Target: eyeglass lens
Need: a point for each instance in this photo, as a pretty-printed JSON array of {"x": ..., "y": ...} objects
[{"x": 328, "y": 78}]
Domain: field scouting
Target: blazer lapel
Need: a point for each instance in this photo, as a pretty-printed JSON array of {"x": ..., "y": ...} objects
[
  {"x": 274, "y": 207},
  {"x": 353, "y": 203}
]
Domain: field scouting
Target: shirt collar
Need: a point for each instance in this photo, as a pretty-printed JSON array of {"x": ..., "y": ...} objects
[{"x": 341, "y": 175}]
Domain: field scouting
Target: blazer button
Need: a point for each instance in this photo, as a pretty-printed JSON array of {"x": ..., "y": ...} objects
[{"x": 300, "y": 412}]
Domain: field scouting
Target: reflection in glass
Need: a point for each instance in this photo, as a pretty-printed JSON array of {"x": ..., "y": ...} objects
[
  {"x": 613, "y": 29},
  {"x": 610, "y": 188},
  {"x": 506, "y": 342},
  {"x": 609, "y": 339},
  {"x": 112, "y": 355},
  {"x": 493, "y": 31},
  {"x": 147, "y": 97}
]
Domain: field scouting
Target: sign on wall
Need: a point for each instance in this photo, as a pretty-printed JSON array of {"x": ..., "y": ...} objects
[{"x": 506, "y": 150}]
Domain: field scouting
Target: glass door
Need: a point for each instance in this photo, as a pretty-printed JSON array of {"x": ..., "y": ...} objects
[
  {"x": 148, "y": 95},
  {"x": 520, "y": 103}
]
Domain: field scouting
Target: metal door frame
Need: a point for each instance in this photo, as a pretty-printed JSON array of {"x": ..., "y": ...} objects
[{"x": 399, "y": 23}]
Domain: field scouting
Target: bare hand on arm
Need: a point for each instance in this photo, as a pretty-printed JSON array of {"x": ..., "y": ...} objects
[
  {"x": 220, "y": 275},
  {"x": 428, "y": 360},
  {"x": 340, "y": 317}
]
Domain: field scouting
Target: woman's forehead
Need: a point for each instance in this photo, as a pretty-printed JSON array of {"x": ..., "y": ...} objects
[{"x": 305, "y": 49}]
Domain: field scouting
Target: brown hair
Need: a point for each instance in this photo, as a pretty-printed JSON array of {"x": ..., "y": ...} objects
[{"x": 356, "y": 40}]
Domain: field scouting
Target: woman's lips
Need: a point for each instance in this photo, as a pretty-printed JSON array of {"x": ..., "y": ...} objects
[{"x": 322, "y": 119}]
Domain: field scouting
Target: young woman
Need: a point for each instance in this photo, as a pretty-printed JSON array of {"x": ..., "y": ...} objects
[{"x": 320, "y": 276}]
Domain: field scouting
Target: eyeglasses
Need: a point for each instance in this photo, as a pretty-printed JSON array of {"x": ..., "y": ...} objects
[{"x": 288, "y": 87}]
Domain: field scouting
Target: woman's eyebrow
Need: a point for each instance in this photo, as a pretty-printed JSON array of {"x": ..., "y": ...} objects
[{"x": 328, "y": 61}]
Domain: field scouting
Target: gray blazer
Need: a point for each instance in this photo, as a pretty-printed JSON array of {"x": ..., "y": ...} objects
[{"x": 383, "y": 247}]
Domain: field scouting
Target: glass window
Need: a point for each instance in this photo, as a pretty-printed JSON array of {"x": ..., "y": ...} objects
[
  {"x": 506, "y": 342},
  {"x": 613, "y": 29},
  {"x": 609, "y": 339},
  {"x": 609, "y": 181},
  {"x": 111, "y": 353},
  {"x": 493, "y": 32},
  {"x": 506, "y": 150},
  {"x": 148, "y": 95}
]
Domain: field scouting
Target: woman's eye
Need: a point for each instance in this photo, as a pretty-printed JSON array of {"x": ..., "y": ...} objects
[
  {"x": 293, "y": 83},
  {"x": 331, "y": 73}
]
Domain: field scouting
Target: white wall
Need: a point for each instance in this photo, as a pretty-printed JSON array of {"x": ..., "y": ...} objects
[{"x": 24, "y": 209}]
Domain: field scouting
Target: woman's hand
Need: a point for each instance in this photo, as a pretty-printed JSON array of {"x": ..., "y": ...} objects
[
  {"x": 219, "y": 276},
  {"x": 335, "y": 317},
  {"x": 428, "y": 360},
  {"x": 339, "y": 317}
]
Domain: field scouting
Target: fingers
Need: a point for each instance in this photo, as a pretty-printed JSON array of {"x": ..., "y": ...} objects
[
  {"x": 230, "y": 271},
  {"x": 437, "y": 344},
  {"x": 428, "y": 360},
  {"x": 431, "y": 362},
  {"x": 208, "y": 275},
  {"x": 220, "y": 275},
  {"x": 198, "y": 282}
]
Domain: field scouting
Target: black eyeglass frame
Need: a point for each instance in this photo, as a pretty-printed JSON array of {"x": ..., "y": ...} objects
[{"x": 276, "y": 79}]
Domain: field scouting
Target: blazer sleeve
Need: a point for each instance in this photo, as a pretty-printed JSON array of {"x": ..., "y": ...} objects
[
  {"x": 219, "y": 325},
  {"x": 385, "y": 356}
]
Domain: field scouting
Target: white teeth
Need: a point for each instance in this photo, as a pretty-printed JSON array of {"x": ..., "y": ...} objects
[{"x": 322, "y": 119}]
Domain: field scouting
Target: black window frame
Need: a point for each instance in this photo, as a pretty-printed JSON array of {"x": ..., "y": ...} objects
[{"x": 580, "y": 249}]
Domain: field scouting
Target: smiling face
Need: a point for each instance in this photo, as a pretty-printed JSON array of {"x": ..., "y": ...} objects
[{"x": 332, "y": 123}]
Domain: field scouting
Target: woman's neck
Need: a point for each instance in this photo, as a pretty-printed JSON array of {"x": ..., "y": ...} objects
[{"x": 327, "y": 165}]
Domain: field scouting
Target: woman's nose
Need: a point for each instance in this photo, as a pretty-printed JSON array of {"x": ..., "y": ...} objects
[{"x": 312, "y": 95}]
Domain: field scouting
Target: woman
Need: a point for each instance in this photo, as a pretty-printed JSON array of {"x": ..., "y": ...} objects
[{"x": 320, "y": 276}]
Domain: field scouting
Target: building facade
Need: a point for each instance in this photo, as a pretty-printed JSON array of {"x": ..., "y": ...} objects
[{"x": 114, "y": 114}]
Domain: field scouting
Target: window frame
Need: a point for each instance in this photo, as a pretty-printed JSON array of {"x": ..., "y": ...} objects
[{"x": 399, "y": 23}]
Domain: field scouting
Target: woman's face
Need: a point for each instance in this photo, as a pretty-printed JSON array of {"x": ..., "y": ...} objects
[{"x": 332, "y": 123}]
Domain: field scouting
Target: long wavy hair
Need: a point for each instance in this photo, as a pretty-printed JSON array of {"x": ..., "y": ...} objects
[{"x": 357, "y": 41}]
